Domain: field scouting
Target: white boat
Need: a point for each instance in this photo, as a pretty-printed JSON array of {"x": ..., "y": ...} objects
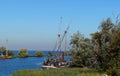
[
  {"x": 48, "y": 66},
  {"x": 58, "y": 60}
]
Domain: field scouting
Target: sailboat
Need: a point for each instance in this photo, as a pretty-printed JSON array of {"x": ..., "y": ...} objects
[
  {"x": 6, "y": 52},
  {"x": 58, "y": 60}
]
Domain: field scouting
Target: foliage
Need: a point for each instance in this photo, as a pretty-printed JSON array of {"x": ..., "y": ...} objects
[
  {"x": 39, "y": 53},
  {"x": 2, "y": 50},
  {"x": 23, "y": 53},
  {"x": 81, "y": 50},
  {"x": 58, "y": 72},
  {"x": 102, "y": 50},
  {"x": 6, "y": 52},
  {"x": 107, "y": 47},
  {"x": 50, "y": 53},
  {"x": 10, "y": 53}
]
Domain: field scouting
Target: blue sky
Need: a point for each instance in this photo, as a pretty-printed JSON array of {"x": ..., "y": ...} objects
[{"x": 33, "y": 24}]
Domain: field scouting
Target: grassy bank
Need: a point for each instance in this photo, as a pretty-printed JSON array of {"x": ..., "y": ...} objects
[{"x": 58, "y": 72}]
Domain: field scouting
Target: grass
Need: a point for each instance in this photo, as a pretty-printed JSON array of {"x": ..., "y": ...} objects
[{"x": 58, "y": 72}]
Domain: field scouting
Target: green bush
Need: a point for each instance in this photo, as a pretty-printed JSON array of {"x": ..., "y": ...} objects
[
  {"x": 23, "y": 53},
  {"x": 113, "y": 71},
  {"x": 10, "y": 53},
  {"x": 50, "y": 53},
  {"x": 2, "y": 50},
  {"x": 39, "y": 53}
]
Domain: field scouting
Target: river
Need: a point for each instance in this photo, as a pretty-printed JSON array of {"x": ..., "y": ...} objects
[{"x": 8, "y": 66}]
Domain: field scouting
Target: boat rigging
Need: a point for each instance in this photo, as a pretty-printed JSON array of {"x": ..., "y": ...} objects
[{"x": 58, "y": 60}]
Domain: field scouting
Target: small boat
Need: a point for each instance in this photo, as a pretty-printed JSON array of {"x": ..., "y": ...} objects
[
  {"x": 48, "y": 67},
  {"x": 48, "y": 64},
  {"x": 58, "y": 61},
  {"x": 4, "y": 57}
]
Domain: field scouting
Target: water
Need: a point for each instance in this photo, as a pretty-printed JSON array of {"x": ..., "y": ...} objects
[{"x": 8, "y": 66}]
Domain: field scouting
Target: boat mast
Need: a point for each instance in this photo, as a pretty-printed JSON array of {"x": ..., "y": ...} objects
[
  {"x": 6, "y": 47},
  {"x": 65, "y": 43},
  {"x": 65, "y": 48},
  {"x": 65, "y": 32},
  {"x": 59, "y": 37}
]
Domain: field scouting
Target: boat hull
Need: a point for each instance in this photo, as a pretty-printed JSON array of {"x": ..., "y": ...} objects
[{"x": 47, "y": 67}]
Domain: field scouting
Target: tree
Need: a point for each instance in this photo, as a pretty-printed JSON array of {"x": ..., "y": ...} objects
[
  {"x": 10, "y": 53},
  {"x": 2, "y": 50},
  {"x": 103, "y": 50},
  {"x": 39, "y": 53},
  {"x": 23, "y": 53},
  {"x": 50, "y": 54},
  {"x": 81, "y": 49},
  {"x": 106, "y": 44},
  {"x": 114, "y": 53},
  {"x": 75, "y": 43}
]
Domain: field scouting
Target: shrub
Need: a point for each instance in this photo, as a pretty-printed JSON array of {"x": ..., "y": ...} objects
[
  {"x": 23, "y": 53},
  {"x": 10, "y": 53},
  {"x": 39, "y": 53}
]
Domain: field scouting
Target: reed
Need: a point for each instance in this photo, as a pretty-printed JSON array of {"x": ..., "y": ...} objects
[{"x": 58, "y": 72}]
